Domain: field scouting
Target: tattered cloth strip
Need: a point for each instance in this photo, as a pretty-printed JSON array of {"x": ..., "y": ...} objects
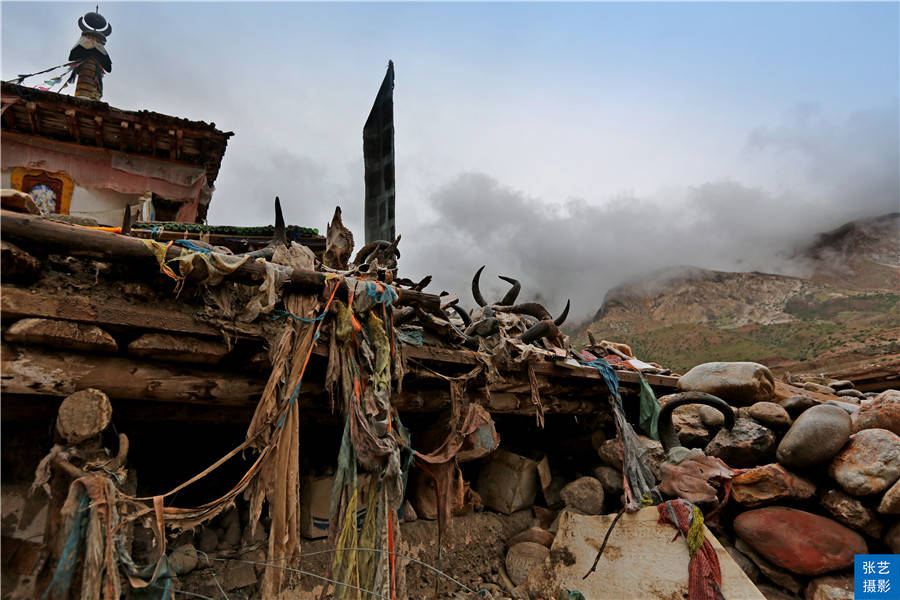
[
  {"x": 359, "y": 370},
  {"x": 638, "y": 480},
  {"x": 91, "y": 519},
  {"x": 44, "y": 471},
  {"x": 704, "y": 573},
  {"x": 648, "y": 417}
]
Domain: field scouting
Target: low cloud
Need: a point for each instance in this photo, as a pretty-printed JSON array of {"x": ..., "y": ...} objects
[{"x": 579, "y": 250}]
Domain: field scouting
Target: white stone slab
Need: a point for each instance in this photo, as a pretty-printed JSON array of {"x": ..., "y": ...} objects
[{"x": 641, "y": 560}]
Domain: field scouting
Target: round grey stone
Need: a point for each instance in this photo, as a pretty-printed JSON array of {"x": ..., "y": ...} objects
[{"x": 815, "y": 437}]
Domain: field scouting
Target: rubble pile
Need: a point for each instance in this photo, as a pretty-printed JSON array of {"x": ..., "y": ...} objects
[{"x": 812, "y": 466}]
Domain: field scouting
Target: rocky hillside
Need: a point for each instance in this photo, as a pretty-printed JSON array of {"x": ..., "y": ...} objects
[{"x": 848, "y": 308}]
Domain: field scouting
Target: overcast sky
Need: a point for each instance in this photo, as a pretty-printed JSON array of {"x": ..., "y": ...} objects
[{"x": 570, "y": 145}]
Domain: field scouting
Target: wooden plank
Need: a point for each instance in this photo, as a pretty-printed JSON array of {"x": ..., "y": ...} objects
[
  {"x": 32, "y": 117},
  {"x": 98, "y": 130},
  {"x": 72, "y": 123},
  {"x": 34, "y": 370},
  {"x": 30, "y": 230},
  {"x": 17, "y": 303}
]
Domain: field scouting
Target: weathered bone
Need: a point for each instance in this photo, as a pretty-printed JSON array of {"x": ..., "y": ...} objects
[
  {"x": 484, "y": 327},
  {"x": 377, "y": 249},
  {"x": 338, "y": 243}
]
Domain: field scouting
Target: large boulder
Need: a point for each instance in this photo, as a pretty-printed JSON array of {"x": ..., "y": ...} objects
[
  {"x": 815, "y": 437},
  {"x": 869, "y": 464},
  {"x": 768, "y": 484},
  {"x": 610, "y": 479},
  {"x": 795, "y": 405},
  {"x": 585, "y": 495},
  {"x": 746, "y": 444},
  {"x": 772, "y": 573},
  {"x": 851, "y": 512},
  {"x": 892, "y": 537},
  {"x": 771, "y": 415},
  {"x": 890, "y": 502},
  {"x": 738, "y": 383},
  {"x": 652, "y": 451},
  {"x": 692, "y": 433},
  {"x": 801, "y": 542},
  {"x": 522, "y": 558},
  {"x": 881, "y": 413}
]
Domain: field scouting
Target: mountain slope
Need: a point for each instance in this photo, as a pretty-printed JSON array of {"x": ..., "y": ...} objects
[{"x": 849, "y": 306}]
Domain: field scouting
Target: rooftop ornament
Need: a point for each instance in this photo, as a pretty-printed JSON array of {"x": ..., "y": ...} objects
[{"x": 91, "y": 52}]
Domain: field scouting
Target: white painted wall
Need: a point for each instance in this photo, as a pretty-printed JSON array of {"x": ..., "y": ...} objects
[{"x": 105, "y": 206}]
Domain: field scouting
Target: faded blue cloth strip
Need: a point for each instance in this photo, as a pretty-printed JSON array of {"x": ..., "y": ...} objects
[
  {"x": 387, "y": 296},
  {"x": 278, "y": 314},
  {"x": 190, "y": 245},
  {"x": 609, "y": 375},
  {"x": 73, "y": 547}
]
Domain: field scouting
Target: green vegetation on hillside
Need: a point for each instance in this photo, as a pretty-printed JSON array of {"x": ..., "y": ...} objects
[{"x": 823, "y": 325}]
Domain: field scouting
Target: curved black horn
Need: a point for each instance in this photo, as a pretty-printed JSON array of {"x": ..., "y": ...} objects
[
  {"x": 280, "y": 234},
  {"x": 545, "y": 328},
  {"x": 667, "y": 434},
  {"x": 394, "y": 246},
  {"x": 476, "y": 292},
  {"x": 466, "y": 319},
  {"x": 82, "y": 26},
  {"x": 364, "y": 252},
  {"x": 528, "y": 308},
  {"x": 107, "y": 31},
  {"x": 565, "y": 313},
  {"x": 513, "y": 292}
]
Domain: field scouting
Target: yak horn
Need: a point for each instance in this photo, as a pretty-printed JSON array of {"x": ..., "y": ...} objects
[
  {"x": 476, "y": 292},
  {"x": 667, "y": 434},
  {"x": 513, "y": 292},
  {"x": 562, "y": 318},
  {"x": 466, "y": 319},
  {"x": 545, "y": 328}
]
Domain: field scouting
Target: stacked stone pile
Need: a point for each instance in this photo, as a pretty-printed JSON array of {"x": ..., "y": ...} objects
[{"x": 820, "y": 479}]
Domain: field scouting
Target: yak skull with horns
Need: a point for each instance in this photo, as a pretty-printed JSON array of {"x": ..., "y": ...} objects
[{"x": 546, "y": 326}]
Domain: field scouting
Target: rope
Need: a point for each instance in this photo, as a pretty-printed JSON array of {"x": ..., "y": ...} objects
[{"x": 280, "y": 314}]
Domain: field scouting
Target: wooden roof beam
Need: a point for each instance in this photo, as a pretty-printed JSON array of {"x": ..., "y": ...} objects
[
  {"x": 125, "y": 138},
  {"x": 72, "y": 121},
  {"x": 179, "y": 143},
  {"x": 139, "y": 137},
  {"x": 9, "y": 117},
  {"x": 32, "y": 117},
  {"x": 98, "y": 130}
]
